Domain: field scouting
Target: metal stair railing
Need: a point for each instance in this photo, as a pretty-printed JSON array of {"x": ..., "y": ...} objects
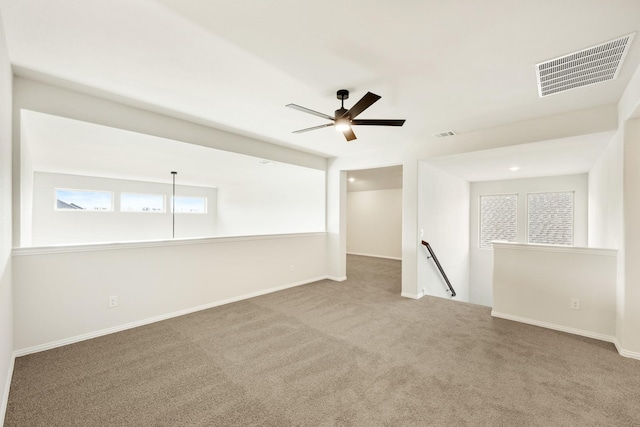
[{"x": 444, "y": 276}]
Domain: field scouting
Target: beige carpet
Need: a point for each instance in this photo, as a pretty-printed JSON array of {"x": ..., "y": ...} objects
[{"x": 324, "y": 354}]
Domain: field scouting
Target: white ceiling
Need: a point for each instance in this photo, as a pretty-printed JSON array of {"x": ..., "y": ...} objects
[
  {"x": 386, "y": 178},
  {"x": 460, "y": 65},
  {"x": 62, "y": 145},
  {"x": 564, "y": 156}
]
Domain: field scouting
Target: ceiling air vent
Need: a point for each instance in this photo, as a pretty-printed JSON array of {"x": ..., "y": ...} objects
[
  {"x": 586, "y": 67},
  {"x": 444, "y": 134}
]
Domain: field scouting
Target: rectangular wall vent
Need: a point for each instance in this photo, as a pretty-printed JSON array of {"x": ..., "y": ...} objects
[
  {"x": 444, "y": 134},
  {"x": 589, "y": 66}
]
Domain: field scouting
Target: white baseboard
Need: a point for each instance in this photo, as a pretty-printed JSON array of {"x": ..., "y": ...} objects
[
  {"x": 561, "y": 328},
  {"x": 412, "y": 296},
  {"x": 375, "y": 256},
  {"x": 107, "y": 331},
  {"x": 626, "y": 353},
  {"x": 7, "y": 387},
  {"x": 588, "y": 334}
]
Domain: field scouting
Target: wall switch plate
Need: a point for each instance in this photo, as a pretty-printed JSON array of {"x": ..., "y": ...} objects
[
  {"x": 575, "y": 304},
  {"x": 113, "y": 301}
]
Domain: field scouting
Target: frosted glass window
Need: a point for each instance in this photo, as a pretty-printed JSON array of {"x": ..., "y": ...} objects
[
  {"x": 147, "y": 203},
  {"x": 550, "y": 218},
  {"x": 87, "y": 200},
  {"x": 194, "y": 205},
  {"x": 498, "y": 219}
]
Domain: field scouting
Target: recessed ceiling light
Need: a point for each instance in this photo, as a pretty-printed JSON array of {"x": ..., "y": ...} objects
[
  {"x": 351, "y": 179},
  {"x": 514, "y": 168}
]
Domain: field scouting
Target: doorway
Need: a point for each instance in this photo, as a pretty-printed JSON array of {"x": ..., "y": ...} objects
[{"x": 374, "y": 215}]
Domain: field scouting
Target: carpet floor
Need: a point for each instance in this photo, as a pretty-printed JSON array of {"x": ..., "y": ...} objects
[{"x": 352, "y": 353}]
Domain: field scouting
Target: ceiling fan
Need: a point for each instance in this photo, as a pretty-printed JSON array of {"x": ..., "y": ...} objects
[{"x": 344, "y": 119}]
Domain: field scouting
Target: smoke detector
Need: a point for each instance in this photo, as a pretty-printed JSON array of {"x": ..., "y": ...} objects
[{"x": 592, "y": 65}]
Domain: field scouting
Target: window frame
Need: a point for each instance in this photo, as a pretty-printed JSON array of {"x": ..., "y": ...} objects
[
  {"x": 55, "y": 200},
  {"x": 206, "y": 205},
  {"x": 164, "y": 203},
  {"x": 480, "y": 228},
  {"x": 573, "y": 217}
]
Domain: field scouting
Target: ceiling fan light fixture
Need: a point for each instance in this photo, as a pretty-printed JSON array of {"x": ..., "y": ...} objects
[
  {"x": 344, "y": 119},
  {"x": 343, "y": 124}
]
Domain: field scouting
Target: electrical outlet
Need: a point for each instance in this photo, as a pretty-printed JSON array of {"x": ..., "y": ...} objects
[
  {"x": 113, "y": 301},
  {"x": 575, "y": 304}
]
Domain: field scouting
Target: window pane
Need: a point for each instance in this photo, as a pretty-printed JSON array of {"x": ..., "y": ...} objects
[
  {"x": 84, "y": 200},
  {"x": 498, "y": 219},
  {"x": 130, "y": 202},
  {"x": 185, "y": 204},
  {"x": 551, "y": 218}
]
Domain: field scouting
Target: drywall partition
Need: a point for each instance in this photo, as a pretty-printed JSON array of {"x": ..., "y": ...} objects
[
  {"x": 26, "y": 187},
  {"x": 570, "y": 289},
  {"x": 55, "y": 227},
  {"x": 374, "y": 223},
  {"x": 605, "y": 197},
  {"x": 629, "y": 269},
  {"x": 628, "y": 336},
  {"x": 481, "y": 260},
  {"x": 6, "y": 298},
  {"x": 443, "y": 221},
  {"x": 68, "y": 288}
]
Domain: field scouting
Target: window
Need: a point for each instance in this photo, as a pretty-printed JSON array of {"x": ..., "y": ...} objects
[
  {"x": 550, "y": 218},
  {"x": 67, "y": 200},
  {"x": 186, "y": 204},
  {"x": 132, "y": 202},
  {"x": 498, "y": 219}
]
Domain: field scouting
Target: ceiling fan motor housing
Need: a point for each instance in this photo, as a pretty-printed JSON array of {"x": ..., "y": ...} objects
[{"x": 343, "y": 94}]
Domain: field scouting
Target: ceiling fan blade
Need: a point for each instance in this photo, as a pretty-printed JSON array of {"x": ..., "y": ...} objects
[
  {"x": 306, "y": 110},
  {"x": 364, "y": 103},
  {"x": 313, "y": 128},
  {"x": 349, "y": 135},
  {"x": 378, "y": 122}
]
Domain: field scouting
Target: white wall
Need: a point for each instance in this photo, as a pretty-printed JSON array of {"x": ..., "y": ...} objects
[
  {"x": 629, "y": 327},
  {"x": 614, "y": 207},
  {"x": 53, "y": 227},
  {"x": 6, "y": 298},
  {"x": 605, "y": 197},
  {"x": 480, "y": 284},
  {"x": 286, "y": 199},
  {"x": 26, "y": 187},
  {"x": 535, "y": 284},
  {"x": 61, "y": 294},
  {"x": 629, "y": 269},
  {"x": 443, "y": 221},
  {"x": 374, "y": 223}
]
